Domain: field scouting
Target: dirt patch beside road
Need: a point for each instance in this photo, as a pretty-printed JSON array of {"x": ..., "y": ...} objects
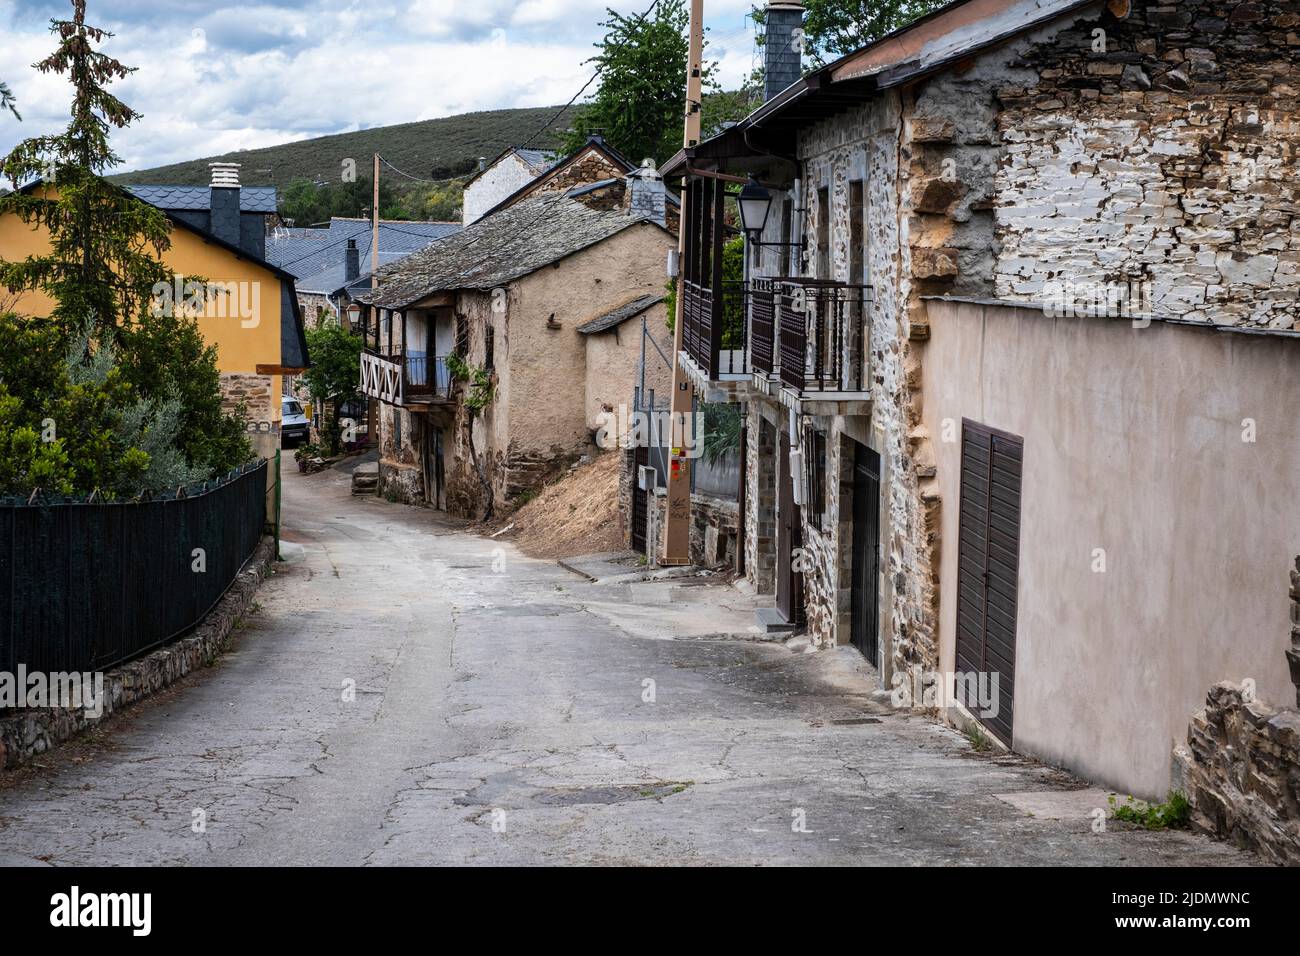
[{"x": 575, "y": 514}]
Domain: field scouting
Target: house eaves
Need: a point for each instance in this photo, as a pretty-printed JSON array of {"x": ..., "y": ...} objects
[
  {"x": 620, "y": 315},
  {"x": 494, "y": 251}
]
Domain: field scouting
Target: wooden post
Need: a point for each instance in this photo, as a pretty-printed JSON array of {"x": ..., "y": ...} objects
[{"x": 677, "y": 520}]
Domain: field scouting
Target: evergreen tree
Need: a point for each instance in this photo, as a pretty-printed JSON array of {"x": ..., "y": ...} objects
[
  {"x": 105, "y": 245},
  {"x": 7, "y": 101},
  {"x": 642, "y": 96}
]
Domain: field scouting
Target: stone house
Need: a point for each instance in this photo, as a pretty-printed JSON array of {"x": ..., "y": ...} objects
[
  {"x": 504, "y": 176},
  {"x": 546, "y": 299},
  {"x": 1020, "y": 363}
]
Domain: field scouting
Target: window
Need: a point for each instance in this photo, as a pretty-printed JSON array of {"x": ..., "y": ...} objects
[
  {"x": 489, "y": 345},
  {"x": 824, "y": 233},
  {"x": 815, "y": 465},
  {"x": 462, "y": 336},
  {"x": 787, "y": 252},
  {"x": 857, "y": 239}
]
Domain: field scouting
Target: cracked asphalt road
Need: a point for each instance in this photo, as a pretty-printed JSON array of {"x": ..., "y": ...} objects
[{"x": 500, "y": 717}]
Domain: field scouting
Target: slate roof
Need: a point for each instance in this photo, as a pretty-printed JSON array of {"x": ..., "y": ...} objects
[
  {"x": 251, "y": 198},
  {"x": 499, "y": 249},
  {"x": 308, "y": 257},
  {"x": 620, "y": 315}
]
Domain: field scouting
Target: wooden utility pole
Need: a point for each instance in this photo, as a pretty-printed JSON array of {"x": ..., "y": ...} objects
[
  {"x": 374, "y": 231},
  {"x": 677, "y": 521},
  {"x": 372, "y": 405}
]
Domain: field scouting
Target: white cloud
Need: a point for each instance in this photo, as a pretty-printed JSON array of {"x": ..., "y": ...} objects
[{"x": 264, "y": 73}]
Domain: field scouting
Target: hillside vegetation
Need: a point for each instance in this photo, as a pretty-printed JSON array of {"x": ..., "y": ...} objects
[{"x": 432, "y": 149}]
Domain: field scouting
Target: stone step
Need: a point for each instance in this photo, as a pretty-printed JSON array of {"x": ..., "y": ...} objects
[{"x": 770, "y": 621}]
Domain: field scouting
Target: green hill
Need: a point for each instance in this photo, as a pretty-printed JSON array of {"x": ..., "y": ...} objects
[{"x": 432, "y": 149}]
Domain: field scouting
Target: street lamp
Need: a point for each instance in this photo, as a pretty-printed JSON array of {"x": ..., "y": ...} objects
[{"x": 755, "y": 206}]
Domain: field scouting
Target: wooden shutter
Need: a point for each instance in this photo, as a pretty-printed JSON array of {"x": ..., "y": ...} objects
[{"x": 988, "y": 565}]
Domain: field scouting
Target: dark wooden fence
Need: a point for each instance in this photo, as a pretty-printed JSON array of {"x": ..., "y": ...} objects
[{"x": 84, "y": 587}]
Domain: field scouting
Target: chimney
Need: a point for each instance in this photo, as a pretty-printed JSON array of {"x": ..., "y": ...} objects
[
  {"x": 482, "y": 163},
  {"x": 782, "y": 47},
  {"x": 351, "y": 262},
  {"x": 224, "y": 222},
  {"x": 647, "y": 197}
]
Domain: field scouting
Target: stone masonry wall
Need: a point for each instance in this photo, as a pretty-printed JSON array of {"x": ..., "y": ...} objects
[
  {"x": 1162, "y": 150},
  {"x": 873, "y": 143},
  {"x": 1241, "y": 766},
  {"x": 760, "y": 502},
  {"x": 25, "y": 734}
]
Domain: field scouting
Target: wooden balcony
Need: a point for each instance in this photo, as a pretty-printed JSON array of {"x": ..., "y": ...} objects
[
  {"x": 406, "y": 379},
  {"x": 812, "y": 335},
  {"x": 714, "y": 329}
]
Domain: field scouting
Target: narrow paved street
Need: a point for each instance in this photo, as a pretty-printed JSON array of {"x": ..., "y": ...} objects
[{"x": 500, "y": 716}]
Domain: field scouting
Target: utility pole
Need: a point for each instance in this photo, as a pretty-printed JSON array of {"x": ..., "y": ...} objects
[
  {"x": 372, "y": 409},
  {"x": 677, "y": 521},
  {"x": 374, "y": 233}
]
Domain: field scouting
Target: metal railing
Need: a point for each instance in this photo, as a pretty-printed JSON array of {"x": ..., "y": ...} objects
[
  {"x": 427, "y": 377},
  {"x": 813, "y": 334},
  {"x": 85, "y": 587}
]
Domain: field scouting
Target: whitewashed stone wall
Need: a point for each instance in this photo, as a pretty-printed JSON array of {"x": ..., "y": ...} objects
[{"x": 1168, "y": 161}]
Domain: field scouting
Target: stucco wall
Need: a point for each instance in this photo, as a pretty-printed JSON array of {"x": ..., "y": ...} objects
[
  {"x": 614, "y": 363},
  {"x": 1134, "y": 443},
  {"x": 549, "y": 409}
]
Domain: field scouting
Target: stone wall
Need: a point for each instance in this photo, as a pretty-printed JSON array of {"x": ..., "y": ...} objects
[
  {"x": 1241, "y": 772},
  {"x": 251, "y": 391},
  {"x": 1163, "y": 151},
  {"x": 715, "y": 528},
  {"x": 760, "y": 501},
  {"x": 25, "y": 734},
  {"x": 1241, "y": 766}
]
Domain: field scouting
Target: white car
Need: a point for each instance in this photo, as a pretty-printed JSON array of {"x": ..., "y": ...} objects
[{"x": 294, "y": 425}]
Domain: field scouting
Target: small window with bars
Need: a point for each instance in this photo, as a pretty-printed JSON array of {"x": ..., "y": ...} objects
[{"x": 815, "y": 465}]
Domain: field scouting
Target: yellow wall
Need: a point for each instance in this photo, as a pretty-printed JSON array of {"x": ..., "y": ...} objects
[{"x": 242, "y": 343}]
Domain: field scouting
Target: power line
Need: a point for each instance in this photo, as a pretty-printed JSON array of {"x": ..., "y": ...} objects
[{"x": 418, "y": 179}]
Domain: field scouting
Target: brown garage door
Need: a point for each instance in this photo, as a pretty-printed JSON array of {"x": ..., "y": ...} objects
[{"x": 989, "y": 558}]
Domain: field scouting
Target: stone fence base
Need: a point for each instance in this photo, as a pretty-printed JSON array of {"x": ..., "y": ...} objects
[
  {"x": 26, "y": 733},
  {"x": 1241, "y": 772}
]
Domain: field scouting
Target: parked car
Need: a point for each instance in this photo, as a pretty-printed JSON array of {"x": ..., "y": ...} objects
[{"x": 294, "y": 425}]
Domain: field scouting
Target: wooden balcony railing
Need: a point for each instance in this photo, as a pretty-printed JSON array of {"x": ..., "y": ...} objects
[
  {"x": 714, "y": 328},
  {"x": 812, "y": 334},
  {"x": 406, "y": 379}
]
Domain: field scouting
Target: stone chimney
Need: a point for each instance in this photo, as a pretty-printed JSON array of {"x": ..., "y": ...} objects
[
  {"x": 782, "y": 47},
  {"x": 351, "y": 261},
  {"x": 224, "y": 222},
  {"x": 647, "y": 197}
]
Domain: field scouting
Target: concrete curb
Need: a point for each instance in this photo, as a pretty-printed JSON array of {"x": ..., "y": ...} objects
[{"x": 26, "y": 734}]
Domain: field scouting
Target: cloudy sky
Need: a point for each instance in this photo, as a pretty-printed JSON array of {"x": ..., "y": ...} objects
[{"x": 217, "y": 76}]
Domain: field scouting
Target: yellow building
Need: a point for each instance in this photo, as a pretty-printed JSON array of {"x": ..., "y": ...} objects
[{"x": 218, "y": 233}]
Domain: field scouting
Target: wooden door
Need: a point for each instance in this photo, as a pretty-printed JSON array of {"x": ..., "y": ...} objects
[
  {"x": 865, "y": 603},
  {"x": 789, "y": 539},
  {"x": 988, "y": 570}
]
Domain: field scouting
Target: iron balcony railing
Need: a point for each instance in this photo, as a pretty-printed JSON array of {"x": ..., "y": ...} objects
[
  {"x": 811, "y": 334},
  {"x": 714, "y": 329},
  {"x": 428, "y": 379}
]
